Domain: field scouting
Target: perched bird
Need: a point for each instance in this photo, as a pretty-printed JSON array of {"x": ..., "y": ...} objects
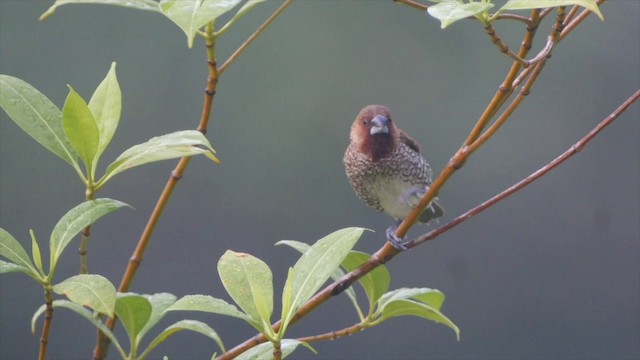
[{"x": 386, "y": 170}]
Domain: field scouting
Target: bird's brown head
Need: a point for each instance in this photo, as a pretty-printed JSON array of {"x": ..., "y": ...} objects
[{"x": 373, "y": 132}]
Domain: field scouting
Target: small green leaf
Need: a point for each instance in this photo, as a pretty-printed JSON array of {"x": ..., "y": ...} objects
[
  {"x": 412, "y": 308},
  {"x": 243, "y": 10},
  {"x": 450, "y": 11},
  {"x": 9, "y": 267},
  {"x": 35, "y": 253},
  {"x": 106, "y": 106},
  {"x": 11, "y": 249},
  {"x": 82, "y": 311},
  {"x": 208, "y": 304},
  {"x": 590, "y": 5},
  {"x": 191, "y": 15},
  {"x": 314, "y": 267},
  {"x": 191, "y": 325},
  {"x": 250, "y": 283},
  {"x": 402, "y": 302},
  {"x": 169, "y": 146},
  {"x": 94, "y": 291},
  {"x": 148, "y": 5},
  {"x": 74, "y": 221},
  {"x": 134, "y": 312},
  {"x": 159, "y": 304},
  {"x": 265, "y": 350},
  {"x": 36, "y": 115},
  {"x": 375, "y": 283},
  {"x": 81, "y": 128}
]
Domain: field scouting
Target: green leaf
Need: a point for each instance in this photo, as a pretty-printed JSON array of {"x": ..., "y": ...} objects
[
  {"x": 431, "y": 297},
  {"x": 208, "y": 304},
  {"x": 94, "y": 291},
  {"x": 134, "y": 312},
  {"x": 169, "y": 146},
  {"x": 11, "y": 249},
  {"x": 302, "y": 247},
  {"x": 191, "y": 325},
  {"x": 159, "y": 304},
  {"x": 9, "y": 267},
  {"x": 36, "y": 115},
  {"x": 106, "y": 106},
  {"x": 82, "y": 311},
  {"x": 402, "y": 302},
  {"x": 148, "y": 5},
  {"x": 375, "y": 283},
  {"x": 191, "y": 15},
  {"x": 250, "y": 283},
  {"x": 314, "y": 267},
  {"x": 74, "y": 221},
  {"x": 590, "y": 5},
  {"x": 450, "y": 11},
  {"x": 243, "y": 10},
  {"x": 35, "y": 253},
  {"x": 81, "y": 128},
  {"x": 412, "y": 308},
  {"x": 265, "y": 350}
]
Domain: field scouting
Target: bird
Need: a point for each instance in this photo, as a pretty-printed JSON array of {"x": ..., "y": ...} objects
[{"x": 386, "y": 170}]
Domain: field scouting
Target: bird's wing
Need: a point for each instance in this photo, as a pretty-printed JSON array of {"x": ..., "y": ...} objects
[{"x": 407, "y": 140}]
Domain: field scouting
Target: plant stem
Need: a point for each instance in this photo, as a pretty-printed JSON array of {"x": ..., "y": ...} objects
[
  {"x": 332, "y": 335},
  {"x": 48, "y": 316},
  {"x": 84, "y": 239}
]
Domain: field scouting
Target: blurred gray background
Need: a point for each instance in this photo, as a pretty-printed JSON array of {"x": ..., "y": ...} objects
[{"x": 552, "y": 272}]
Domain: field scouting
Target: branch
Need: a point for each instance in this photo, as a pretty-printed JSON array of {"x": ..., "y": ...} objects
[{"x": 574, "y": 149}]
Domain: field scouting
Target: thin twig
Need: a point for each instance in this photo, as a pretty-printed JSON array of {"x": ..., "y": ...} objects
[
  {"x": 250, "y": 39},
  {"x": 332, "y": 335},
  {"x": 504, "y": 48},
  {"x": 413, "y": 4}
]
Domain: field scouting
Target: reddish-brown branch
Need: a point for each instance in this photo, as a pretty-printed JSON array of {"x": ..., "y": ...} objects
[{"x": 574, "y": 149}]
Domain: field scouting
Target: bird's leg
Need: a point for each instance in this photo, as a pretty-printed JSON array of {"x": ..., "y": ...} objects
[{"x": 395, "y": 241}]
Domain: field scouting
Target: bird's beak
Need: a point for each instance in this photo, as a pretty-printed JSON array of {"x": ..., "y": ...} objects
[{"x": 379, "y": 125}]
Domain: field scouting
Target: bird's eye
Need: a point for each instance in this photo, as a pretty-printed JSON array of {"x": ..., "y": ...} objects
[{"x": 365, "y": 122}]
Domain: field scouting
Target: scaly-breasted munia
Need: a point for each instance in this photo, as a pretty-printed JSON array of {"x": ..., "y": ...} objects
[{"x": 386, "y": 170}]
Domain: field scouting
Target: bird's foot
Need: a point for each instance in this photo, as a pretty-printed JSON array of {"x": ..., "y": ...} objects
[{"x": 394, "y": 240}]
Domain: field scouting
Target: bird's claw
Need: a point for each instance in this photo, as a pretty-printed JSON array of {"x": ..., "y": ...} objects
[{"x": 394, "y": 240}]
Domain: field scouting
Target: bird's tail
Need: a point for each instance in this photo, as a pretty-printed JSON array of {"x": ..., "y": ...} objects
[{"x": 432, "y": 211}]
